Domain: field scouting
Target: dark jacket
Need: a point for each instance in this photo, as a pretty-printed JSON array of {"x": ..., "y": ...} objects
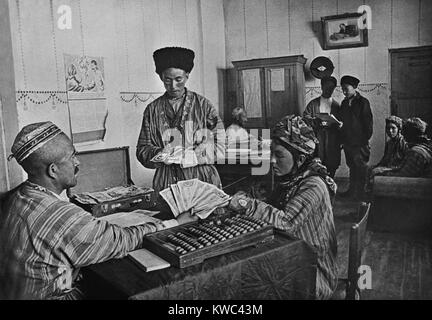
[{"x": 357, "y": 121}]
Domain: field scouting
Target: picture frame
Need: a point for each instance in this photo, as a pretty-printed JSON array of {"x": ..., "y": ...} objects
[{"x": 344, "y": 31}]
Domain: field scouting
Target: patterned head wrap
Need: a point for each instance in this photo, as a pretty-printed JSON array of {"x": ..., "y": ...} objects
[
  {"x": 295, "y": 132},
  {"x": 31, "y": 138},
  {"x": 414, "y": 128},
  {"x": 173, "y": 57},
  {"x": 396, "y": 120}
]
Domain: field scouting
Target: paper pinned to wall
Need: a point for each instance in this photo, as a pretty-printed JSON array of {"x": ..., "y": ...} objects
[
  {"x": 88, "y": 118},
  {"x": 85, "y": 87},
  {"x": 277, "y": 79},
  {"x": 84, "y": 76}
]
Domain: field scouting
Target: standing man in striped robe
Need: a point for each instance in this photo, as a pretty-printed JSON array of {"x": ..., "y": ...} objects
[{"x": 180, "y": 118}]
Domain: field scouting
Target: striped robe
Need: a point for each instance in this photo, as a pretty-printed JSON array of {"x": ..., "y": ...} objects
[
  {"x": 305, "y": 212},
  {"x": 195, "y": 116},
  {"x": 45, "y": 240},
  {"x": 417, "y": 162}
]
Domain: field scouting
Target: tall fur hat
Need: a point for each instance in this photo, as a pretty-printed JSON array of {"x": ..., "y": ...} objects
[{"x": 173, "y": 57}]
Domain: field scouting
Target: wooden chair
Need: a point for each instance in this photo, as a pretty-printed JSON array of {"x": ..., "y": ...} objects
[{"x": 348, "y": 288}]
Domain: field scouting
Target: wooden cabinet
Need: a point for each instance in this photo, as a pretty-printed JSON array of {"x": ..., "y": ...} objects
[{"x": 270, "y": 88}]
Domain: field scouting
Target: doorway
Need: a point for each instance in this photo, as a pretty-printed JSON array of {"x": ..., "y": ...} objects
[{"x": 411, "y": 83}]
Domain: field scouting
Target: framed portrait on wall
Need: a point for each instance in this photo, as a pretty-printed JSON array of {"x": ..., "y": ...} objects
[{"x": 344, "y": 31}]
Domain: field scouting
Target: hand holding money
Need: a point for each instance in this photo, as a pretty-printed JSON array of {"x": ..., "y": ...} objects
[
  {"x": 187, "y": 217},
  {"x": 240, "y": 202},
  {"x": 194, "y": 194}
]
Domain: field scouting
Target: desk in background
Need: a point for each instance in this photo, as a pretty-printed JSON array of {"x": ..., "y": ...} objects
[
  {"x": 279, "y": 269},
  {"x": 237, "y": 173}
]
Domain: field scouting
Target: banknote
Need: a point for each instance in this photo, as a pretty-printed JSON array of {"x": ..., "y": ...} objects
[{"x": 168, "y": 196}]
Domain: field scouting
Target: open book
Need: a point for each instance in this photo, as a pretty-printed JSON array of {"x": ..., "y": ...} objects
[{"x": 328, "y": 119}]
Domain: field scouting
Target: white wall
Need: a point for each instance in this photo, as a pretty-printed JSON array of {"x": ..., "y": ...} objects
[
  {"x": 10, "y": 173},
  {"x": 125, "y": 33},
  {"x": 259, "y": 29}
]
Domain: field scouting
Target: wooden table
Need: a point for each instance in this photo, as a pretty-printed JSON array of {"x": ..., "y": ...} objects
[{"x": 282, "y": 268}]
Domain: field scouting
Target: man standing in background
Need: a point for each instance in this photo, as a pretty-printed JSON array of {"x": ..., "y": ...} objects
[
  {"x": 329, "y": 149},
  {"x": 356, "y": 115}
]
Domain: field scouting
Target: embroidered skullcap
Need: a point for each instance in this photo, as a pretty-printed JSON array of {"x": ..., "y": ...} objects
[
  {"x": 31, "y": 138},
  {"x": 414, "y": 127},
  {"x": 394, "y": 119},
  {"x": 295, "y": 132},
  {"x": 173, "y": 57},
  {"x": 350, "y": 80}
]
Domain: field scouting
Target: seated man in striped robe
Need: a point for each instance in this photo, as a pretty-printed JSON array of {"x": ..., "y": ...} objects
[{"x": 45, "y": 239}]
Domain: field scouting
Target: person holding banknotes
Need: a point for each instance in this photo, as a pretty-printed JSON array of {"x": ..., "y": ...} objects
[
  {"x": 301, "y": 204},
  {"x": 180, "y": 122}
]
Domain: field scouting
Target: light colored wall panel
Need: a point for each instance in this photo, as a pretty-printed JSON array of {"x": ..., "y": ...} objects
[
  {"x": 425, "y": 22},
  {"x": 234, "y": 31},
  {"x": 300, "y": 26},
  {"x": 278, "y": 27},
  {"x": 256, "y": 29},
  {"x": 405, "y": 23},
  {"x": 125, "y": 33}
]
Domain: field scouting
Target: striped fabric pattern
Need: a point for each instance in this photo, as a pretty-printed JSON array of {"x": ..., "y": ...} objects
[
  {"x": 308, "y": 215},
  {"x": 198, "y": 117},
  {"x": 45, "y": 241},
  {"x": 417, "y": 163}
]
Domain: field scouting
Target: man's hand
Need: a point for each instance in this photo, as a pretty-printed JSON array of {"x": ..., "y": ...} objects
[
  {"x": 186, "y": 217},
  {"x": 240, "y": 202}
]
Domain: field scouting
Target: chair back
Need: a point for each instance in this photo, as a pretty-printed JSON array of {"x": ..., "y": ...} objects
[{"x": 356, "y": 245}]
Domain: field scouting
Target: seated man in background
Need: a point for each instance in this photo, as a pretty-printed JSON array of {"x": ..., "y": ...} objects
[
  {"x": 418, "y": 158},
  {"x": 236, "y": 134},
  {"x": 301, "y": 204},
  {"x": 45, "y": 239}
]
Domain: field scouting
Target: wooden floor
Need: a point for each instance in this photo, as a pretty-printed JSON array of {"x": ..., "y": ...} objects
[{"x": 401, "y": 265}]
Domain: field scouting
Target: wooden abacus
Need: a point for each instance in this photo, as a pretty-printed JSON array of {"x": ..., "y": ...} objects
[{"x": 192, "y": 243}]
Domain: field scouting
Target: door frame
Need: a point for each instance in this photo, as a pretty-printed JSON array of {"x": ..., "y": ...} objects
[{"x": 392, "y": 51}]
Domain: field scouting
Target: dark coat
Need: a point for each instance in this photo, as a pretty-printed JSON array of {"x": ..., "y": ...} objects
[{"x": 357, "y": 121}]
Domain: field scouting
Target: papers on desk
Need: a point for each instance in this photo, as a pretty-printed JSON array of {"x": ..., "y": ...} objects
[
  {"x": 129, "y": 219},
  {"x": 147, "y": 260}
]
